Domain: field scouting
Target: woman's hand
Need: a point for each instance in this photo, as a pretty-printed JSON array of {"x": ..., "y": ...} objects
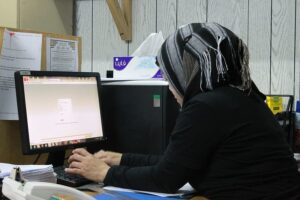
[
  {"x": 87, "y": 165},
  {"x": 110, "y": 158}
]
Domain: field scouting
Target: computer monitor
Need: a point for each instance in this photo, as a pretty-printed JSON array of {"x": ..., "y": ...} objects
[{"x": 58, "y": 110}]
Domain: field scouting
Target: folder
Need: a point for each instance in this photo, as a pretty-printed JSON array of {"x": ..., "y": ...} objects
[{"x": 122, "y": 195}]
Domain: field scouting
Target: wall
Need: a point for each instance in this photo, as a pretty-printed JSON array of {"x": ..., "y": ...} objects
[
  {"x": 269, "y": 27},
  {"x": 39, "y": 15},
  {"x": 9, "y": 13},
  {"x": 47, "y": 15}
]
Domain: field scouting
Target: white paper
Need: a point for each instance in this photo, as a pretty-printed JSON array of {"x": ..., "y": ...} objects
[
  {"x": 20, "y": 51},
  {"x": 187, "y": 188},
  {"x": 6, "y": 168},
  {"x": 62, "y": 55},
  {"x": 150, "y": 46}
]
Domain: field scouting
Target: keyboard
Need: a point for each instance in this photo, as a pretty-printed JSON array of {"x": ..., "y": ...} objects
[{"x": 67, "y": 179}]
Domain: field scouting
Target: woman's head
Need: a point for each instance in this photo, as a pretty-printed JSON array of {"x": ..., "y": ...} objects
[{"x": 200, "y": 57}]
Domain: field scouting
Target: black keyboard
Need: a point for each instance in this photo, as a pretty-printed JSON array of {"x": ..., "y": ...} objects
[{"x": 71, "y": 180}]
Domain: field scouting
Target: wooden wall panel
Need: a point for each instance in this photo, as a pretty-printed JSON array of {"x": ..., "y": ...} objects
[
  {"x": 191, "y": 11},
  {"x": 259, "y": 43},
  {"x": 267, "y": 26},
  {"x": 166, "y": 17},
  {"x": 143, "y": 22},
  {"x": 297, "y": 53},
  {"x": 107, "y": 42},
  {"x": 232, "y": 14},
  {"x": 83, "y": 20},
  {"x": 283, "y": 44}
]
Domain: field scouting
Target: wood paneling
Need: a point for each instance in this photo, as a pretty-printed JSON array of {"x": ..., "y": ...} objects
[
  {"x": 106, "y": 39},
  {"x": 166, "y": 17},
  {"x": 259, "y": 43},
  {"x": 267, "y": 26},
  {"x": 83, "y": 20},
  {"x": 143, "y": 22},
  {"x": 232, "y": 14},
  {"x": 283, "y": 46},
  {"x": 297, "y": 53},
  {"x": 189, "y": 11}
]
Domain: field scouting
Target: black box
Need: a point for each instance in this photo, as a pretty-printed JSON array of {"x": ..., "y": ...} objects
[{"x": 138, "y": 116}]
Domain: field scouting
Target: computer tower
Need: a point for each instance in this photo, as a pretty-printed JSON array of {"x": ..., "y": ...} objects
[{"x": 138, "y": 116}]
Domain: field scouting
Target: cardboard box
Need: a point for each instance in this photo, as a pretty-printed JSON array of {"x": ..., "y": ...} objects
[{"x": 136, "y": 68}]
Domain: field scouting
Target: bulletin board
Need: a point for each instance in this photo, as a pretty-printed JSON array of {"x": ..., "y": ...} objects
[{"x": 45, "y": 35}]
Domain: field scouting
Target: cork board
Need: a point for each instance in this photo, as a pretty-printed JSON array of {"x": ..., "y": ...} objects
[{"x": 44, "y": 36}]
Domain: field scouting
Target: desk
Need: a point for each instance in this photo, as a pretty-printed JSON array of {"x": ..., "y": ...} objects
[{"x": 199, "y": 198}]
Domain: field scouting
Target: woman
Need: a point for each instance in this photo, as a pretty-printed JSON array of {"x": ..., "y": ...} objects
[{"x": 226, "y": 142}]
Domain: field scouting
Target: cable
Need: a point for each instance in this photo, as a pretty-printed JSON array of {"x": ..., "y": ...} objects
[{"x": 37, "y": 158}]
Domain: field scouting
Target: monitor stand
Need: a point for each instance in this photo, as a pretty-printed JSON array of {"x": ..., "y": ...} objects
[{"x": 56, "y": 158}]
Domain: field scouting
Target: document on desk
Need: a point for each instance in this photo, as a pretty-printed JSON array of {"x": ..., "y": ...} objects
[
  {"x": 112, "y": 193},
  {"x": 122, "y": 195},
  {"x": 20, "y": 51},
  {"x": 186, "y": 189},
  {"x": 43, "y": 173}
]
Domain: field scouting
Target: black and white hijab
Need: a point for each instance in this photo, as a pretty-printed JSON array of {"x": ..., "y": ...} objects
[{"x": 200, "y": 57}]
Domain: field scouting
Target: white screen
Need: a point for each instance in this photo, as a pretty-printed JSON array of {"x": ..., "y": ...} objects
[{"x": 62, "y": 110}]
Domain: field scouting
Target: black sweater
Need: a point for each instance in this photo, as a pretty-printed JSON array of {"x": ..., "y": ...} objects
[{"x": 226, "y": 144}]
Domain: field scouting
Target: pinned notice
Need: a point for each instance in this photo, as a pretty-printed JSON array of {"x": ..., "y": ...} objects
[
  {"x": 62, "y": 55},
  {"x": 20, "y": 51}
]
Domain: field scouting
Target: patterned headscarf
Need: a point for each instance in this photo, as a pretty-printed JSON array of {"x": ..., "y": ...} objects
[{"x": 200, "y": 57}]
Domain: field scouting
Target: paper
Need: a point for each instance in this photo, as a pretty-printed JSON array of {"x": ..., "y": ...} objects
[
  {"x": 187, "y": 188},
  {"x": 121, "y": 195},
  {"x": 29, "y": 171},
  {"x": 150, "y": 46},
  {"x": 20, "y": 51},
  {"x": 62, "y": 55}
]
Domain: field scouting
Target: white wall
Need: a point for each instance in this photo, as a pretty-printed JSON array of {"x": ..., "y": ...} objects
[
  {"x": 269, "y": 27},
  {"x": 9, "y": 13},
  {"x": 46, "y": 15}
]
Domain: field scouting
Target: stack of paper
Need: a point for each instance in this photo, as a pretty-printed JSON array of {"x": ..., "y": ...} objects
[{"x": 42, "y": 173}]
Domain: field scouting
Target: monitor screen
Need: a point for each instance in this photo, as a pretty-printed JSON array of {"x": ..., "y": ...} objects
[{"x": 58, "y": 110}]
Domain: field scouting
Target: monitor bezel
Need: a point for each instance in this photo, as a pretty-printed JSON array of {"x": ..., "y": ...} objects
[{"x": 22, "y": 113}]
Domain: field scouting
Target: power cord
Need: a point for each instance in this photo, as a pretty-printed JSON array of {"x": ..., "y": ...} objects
[{"x": 37, "y": 158}]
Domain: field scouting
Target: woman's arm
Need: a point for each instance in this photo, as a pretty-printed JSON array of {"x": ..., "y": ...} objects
[
  {"x": 135, "y": 160},
  {"x": 192, "y": 143},
  {"x": 165, "y": 177},
  {"x": 127, "y": 159}
]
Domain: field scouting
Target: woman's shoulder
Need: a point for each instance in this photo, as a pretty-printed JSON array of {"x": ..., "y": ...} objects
[
  {"x": 223, "y": 99},
  {"x": 217, "y": 95}
]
